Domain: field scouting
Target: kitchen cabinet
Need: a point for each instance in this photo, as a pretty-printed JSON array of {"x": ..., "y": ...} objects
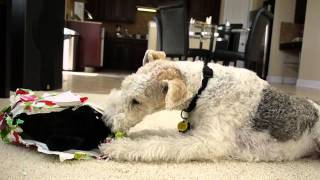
[
  {"x": 112, "y": 10},
  {"x": 197, "y": 9},
  {"x": 91, "y": 43},
  {"x": 124, "y": 54},
  {"x": 152, "y": 3},
  {"x": 204, "y": 8},
  {"x": 147, "y": 3},
  {"x": 124, "y": 10}
]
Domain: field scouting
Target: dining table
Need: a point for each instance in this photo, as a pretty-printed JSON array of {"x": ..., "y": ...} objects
[{"x": 202, "y": 35}]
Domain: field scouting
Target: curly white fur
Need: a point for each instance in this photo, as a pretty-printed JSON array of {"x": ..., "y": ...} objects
[{"x": 220, "y": 122}]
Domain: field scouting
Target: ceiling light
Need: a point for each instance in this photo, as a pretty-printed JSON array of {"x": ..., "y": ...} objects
[{"x": 145, "y": 9}]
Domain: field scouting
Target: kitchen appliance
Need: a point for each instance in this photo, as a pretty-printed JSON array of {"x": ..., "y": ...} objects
[{"x": 70, "y": 44}]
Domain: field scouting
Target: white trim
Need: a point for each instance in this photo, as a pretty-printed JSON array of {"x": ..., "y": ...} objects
[
  {"x": 283, "y": 80},
  {"x": 274, "y": 79},
  {"x": 289, "y": 80},
  {"x": 308, "y": 83}
]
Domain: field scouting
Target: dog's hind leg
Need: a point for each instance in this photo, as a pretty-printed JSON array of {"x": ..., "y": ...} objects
[{"x": 180, "y": 148}]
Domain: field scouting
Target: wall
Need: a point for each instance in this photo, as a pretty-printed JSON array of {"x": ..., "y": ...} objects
[
  {"x": 282, "y": 68},
  {"x": 236, "y": 11},
  {"x": 309, "y": 74},
  {"x": 256, "y": 4},
  {"x": 221, "y": 16},
  {"x": 236, "y": 4}
]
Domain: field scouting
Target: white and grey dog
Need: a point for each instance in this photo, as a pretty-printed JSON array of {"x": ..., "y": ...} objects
[{"x": 237, "y": 116}]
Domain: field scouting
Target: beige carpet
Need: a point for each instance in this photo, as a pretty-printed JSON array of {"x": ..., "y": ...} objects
[{"x": 21, "y": 163}]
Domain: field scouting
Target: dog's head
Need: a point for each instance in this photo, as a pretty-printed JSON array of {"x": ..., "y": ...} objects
[{"x": 157, "y": 85}]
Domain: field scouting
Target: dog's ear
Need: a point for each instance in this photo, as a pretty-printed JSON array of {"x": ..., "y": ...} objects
[
  {"x": 176, "y": 92},
  {"x": 152, "y": 55}
]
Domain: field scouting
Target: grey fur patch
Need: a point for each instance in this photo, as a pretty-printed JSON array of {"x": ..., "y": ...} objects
[{"x": 285, "y": 117}]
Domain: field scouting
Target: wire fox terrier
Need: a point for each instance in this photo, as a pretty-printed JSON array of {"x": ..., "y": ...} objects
[{"x": 237, "y": 115}]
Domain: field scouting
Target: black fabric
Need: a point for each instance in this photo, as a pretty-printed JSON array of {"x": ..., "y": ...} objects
[
  {"x": 207, "y": 74},
  {"x": 81, "y": 129}
]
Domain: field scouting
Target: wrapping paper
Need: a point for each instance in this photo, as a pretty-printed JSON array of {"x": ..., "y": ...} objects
[{"x": 26, "y": 101}]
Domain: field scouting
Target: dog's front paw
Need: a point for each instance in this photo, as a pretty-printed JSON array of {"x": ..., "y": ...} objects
[
  {"x": 109, "y": 150},
  {"x": 122, "y": 149}
]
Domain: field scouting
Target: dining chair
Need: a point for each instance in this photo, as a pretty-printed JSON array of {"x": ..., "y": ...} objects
[
  {"x": 172, "y": 28},
  {"x": 256, "y": 49},
  {"x": 173, "y": 31},
  {"x": 228, "y": 40}
]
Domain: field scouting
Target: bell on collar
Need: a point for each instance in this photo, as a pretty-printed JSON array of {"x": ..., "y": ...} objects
[{"x": 183, "y": 126}]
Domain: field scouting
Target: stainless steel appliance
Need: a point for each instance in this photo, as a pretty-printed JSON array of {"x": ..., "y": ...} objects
[{"x": 70, "y": 46}]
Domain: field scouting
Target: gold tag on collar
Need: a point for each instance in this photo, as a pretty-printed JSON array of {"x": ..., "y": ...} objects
[{"x": 183, "y": 126}]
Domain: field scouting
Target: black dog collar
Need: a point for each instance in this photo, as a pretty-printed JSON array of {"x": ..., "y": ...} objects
[{"x": 184, "y": 125}]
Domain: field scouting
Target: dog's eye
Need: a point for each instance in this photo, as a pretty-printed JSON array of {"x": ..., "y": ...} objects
[{"x": 135, "y": 102}]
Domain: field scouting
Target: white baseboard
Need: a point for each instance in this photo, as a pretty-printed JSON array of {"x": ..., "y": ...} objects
[
  {"x": 308, "y": 83},
  {"x": 280, "y": 79}
]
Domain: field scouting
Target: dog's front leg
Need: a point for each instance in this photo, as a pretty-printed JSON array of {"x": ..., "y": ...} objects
[{"x": 179, "y": 149}]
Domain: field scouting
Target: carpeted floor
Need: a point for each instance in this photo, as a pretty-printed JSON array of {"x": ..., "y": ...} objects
[{"x": 21, "y": 163}]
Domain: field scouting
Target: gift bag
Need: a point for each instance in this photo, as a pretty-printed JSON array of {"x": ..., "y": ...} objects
[{"x": 64, "y": 124}]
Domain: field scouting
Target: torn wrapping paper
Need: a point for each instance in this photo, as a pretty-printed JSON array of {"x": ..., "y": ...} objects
[{"x": 27, "y": 108}]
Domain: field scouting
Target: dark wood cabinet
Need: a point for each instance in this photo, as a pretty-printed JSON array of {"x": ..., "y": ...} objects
[
  {"x": 198, "y": 9},
  {"x": 152, "y": 3},
  {"x": 147, "y": 3},
  {"x": 124, "y": 54},
  {"x": 124, "y": 10},
  {"x": 204, "y": 8},
  {"x": 90, "y": 44},
  {"x": 112, "y": 10}
]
